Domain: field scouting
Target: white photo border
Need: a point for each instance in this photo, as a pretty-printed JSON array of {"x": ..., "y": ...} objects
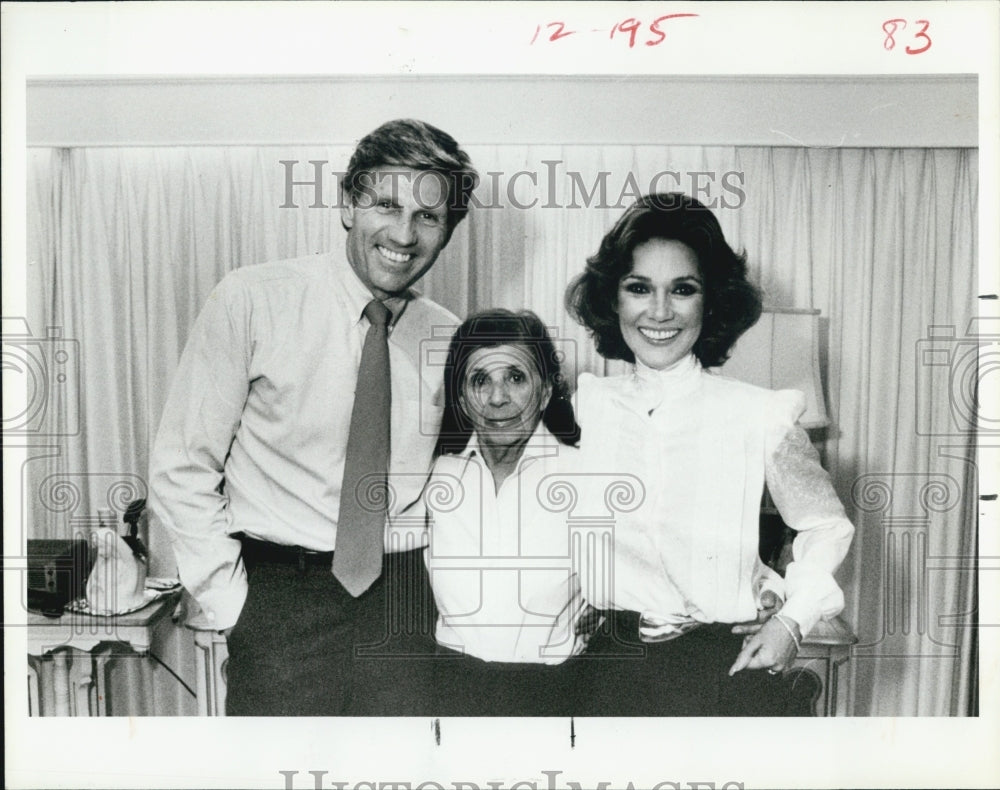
[{"x": 106, "y": 40}]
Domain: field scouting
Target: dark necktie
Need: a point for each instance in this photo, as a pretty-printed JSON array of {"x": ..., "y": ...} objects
[{"x": 357, "y": 557}]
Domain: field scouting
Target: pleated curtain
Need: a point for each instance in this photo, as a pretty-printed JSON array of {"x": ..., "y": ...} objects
[{"x": 125, "y": 245}]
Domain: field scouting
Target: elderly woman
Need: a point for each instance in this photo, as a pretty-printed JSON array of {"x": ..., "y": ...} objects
[
  {"x": 507, "y": 595},
  {"x": 668, "y": 294}
]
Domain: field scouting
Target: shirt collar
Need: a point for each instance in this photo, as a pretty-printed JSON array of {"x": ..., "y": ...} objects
[
  {"x": 681, "y": 370},
  {"x": 654, "y": 386},
  {"x": 358, "y": 296},
  {"x": 539, "y": 445}
]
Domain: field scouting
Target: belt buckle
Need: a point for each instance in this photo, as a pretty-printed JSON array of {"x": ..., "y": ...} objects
[{"x": 670, "y": 630}]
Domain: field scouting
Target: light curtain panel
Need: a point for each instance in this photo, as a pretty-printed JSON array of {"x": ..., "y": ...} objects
[{"x": 126, "y": 243}]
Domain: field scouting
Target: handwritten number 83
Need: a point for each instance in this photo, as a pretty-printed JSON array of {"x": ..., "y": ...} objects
[{"x": 890, "y": 26}]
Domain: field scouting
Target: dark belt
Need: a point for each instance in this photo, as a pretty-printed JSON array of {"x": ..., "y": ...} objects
[{"x": 261, "y": 551}]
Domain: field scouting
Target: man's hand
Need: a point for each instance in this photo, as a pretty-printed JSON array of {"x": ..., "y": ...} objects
[
  {"x": 770, "y": 605},
  {"x": 772, "y": 648}
]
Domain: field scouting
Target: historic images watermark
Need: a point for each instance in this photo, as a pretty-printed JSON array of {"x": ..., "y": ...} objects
[
  {"x": 296, "y": 780},
  {"x": 551, "y": 186}
]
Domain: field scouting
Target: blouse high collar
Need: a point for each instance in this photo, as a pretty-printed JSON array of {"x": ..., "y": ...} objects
[{"x": 655, "y": 386}]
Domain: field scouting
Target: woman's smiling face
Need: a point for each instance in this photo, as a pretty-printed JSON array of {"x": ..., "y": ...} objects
[
  {"x": 503, "y": 394},
  {"x": 660, "y": 303}
]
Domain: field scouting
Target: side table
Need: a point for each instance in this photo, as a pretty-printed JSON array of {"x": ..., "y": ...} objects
[
  {"x": 84, "y": 693},
  {"x": 829, "y": 645},
  {"x": 211, "y": 654}
]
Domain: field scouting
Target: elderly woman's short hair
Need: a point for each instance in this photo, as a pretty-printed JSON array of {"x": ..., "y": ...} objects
[{"x": 732, "y": 304}]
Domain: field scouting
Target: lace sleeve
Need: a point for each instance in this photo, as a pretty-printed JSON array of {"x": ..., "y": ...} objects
[{"x": 805, "y": 498}]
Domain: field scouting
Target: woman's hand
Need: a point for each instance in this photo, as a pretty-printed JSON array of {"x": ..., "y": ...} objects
[
  {"x": 773, "y": 647},
  {"x": 770, "y": 605}
]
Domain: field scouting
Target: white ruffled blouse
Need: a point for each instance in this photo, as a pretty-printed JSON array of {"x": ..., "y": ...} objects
[{"x": 703, "y": 447}]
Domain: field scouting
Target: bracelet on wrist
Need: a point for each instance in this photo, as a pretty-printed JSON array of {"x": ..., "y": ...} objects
[{"x": 791, "y": 626}]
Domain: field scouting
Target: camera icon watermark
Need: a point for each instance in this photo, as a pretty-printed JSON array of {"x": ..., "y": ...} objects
[
  {"x": 953, "y": 366},
  {"x": 42, "y": 392}
]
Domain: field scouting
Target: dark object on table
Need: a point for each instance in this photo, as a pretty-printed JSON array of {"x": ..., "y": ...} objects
[
  {"x": 57, "y": 573},
  {"x": 133, "y": 513}
]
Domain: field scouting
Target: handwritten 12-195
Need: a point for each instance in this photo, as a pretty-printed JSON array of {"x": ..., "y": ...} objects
[{"x": 654, "y": 33}]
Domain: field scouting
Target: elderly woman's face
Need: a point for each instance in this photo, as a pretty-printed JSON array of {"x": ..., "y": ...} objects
[
  {"x": 660, "y": 303},
  {"x": 503, "y": 394}
]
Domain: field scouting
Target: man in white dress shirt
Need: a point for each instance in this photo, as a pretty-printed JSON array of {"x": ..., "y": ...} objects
[{"x": 247, "y": 468}]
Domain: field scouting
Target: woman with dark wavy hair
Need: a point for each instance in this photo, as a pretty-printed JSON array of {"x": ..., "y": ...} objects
[
  {"x": 730, "y": 304},
  {"x": 507, "y": 594},
  {"x": 666, "y": 292}
]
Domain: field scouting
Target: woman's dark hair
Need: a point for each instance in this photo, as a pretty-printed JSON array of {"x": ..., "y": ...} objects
[
  {"x": 732, "y": 304},
  {"x": 489, "y": 329}
]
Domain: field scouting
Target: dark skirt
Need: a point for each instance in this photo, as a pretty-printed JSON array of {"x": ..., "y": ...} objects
[
  {"x": 619, "y": 675},
  {"x": 467, "y": 686}
]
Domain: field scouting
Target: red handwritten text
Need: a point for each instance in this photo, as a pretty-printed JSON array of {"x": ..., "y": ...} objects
[
  {"x": 891, "y": 26},
  {"x": 631, "y": 30}
]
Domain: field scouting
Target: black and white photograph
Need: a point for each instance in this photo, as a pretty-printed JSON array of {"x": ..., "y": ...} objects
[{"x": 468, "y": 395}]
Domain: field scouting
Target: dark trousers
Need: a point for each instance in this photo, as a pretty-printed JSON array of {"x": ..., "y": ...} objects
[
  {"x": 467, "y": 686},
  {"x": 686, "y": 676},
  {"x": 303, "y": 646}
]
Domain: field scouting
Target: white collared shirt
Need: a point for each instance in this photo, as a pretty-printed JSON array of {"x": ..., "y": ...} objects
[
  {"x": 501, "y": 562},
  {"x": 261, "y": 405}
]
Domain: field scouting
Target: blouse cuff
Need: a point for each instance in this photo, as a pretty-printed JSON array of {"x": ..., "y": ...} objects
[{"x": 813, "y": 594}]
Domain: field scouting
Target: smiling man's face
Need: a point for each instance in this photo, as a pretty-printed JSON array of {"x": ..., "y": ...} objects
[{"x": 396, "y": 228}]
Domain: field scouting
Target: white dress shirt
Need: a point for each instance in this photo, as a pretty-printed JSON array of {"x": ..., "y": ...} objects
[
  {"x": 254, "y": 432},
  {"x": 704, "y": 446},
  {"x": 501, "y": 562}
]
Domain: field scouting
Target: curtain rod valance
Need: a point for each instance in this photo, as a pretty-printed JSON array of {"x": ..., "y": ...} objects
[{"x": 848, "y": 111}]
